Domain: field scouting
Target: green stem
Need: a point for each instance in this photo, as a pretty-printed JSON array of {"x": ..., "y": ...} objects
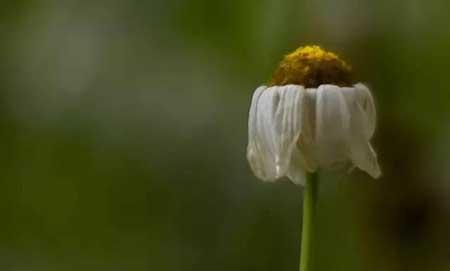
[{"x": 309, "y": 207}]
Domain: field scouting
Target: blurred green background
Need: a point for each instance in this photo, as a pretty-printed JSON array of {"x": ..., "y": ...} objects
[{"x": 123, "y": 129}]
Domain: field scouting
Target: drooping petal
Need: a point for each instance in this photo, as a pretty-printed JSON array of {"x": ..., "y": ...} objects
[
  {"x": 252, "y": 113},
  {"x": 361, "y": 152},
  {"x": 362, "y": 126},
  {"x": 296, "y": 172},
  {"x": 367, "y": 103},
  {"x": 364, "y": 157},
  {"x": 332, "y": 126},
  {"x": 288, "y": 124},
  {"x": 274, "y": 128},
  {"x": 259, "y": 152},
  {"x": 254, "y": 152}
]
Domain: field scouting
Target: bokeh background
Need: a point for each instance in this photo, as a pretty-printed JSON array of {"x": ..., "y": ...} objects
[{"x": 123, "y": 129}]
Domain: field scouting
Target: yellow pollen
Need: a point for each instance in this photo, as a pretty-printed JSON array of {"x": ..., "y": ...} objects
[{"x": 311, "y": 66}]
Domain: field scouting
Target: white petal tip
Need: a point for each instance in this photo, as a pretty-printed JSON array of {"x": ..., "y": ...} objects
[
  {"x": 376, "y": 174},
  {"x": 373, "y": 169}
]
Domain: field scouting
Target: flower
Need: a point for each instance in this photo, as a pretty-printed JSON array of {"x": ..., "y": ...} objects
[{"x": 312, "y": 116}]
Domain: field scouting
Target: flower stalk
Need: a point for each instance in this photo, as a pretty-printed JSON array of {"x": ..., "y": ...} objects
[{"x": 310, "y": 194}]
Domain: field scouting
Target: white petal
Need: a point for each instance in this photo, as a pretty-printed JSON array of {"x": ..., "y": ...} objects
[
  {"x": 274, "y": 128},
  {"x": 364, "y": 157},
  {"x": 296, "y": 172},
  {"x": 367, "y": 103},
  {"x": 332, "y": 126},
  {"x": 252, "y": 113},
  {"x": 362, "y": 126},
  {"x": 254, "y": 153},
  {"x": 260, "y": 148},
  {"x": 288, "y": 124}
]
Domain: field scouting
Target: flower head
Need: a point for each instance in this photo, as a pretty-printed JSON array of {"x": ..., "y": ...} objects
[
  {"x": 311, "y": 66},
  {"x": 311, "y": 117}
]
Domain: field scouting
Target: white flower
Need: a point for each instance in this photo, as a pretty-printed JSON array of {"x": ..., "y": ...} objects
[{"x": 294, "y": 130}]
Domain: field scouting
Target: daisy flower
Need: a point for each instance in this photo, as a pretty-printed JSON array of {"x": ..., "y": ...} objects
[{"x": 311, "y": 116}]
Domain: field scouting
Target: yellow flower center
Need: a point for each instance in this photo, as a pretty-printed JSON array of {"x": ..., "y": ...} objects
[{"x": 311, "y": 66}]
